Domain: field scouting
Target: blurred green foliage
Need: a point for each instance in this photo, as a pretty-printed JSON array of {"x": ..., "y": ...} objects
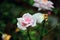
[{"x": 11, "y": 11}]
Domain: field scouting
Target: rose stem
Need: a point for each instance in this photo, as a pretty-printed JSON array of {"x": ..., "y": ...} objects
[
  {"x": 41, "y": 30},
  {"x": 28, "y": 33}
]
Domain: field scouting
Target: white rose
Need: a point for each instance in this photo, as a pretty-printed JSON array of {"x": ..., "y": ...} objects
[{"x": 39, "y": 17}]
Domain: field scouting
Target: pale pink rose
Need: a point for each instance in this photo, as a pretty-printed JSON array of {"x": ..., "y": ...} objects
[
  {"x": 41, "y": 4},
  {"x": 25, "y": 21}
]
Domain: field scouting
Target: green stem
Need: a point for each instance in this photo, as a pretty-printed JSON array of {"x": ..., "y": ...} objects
[
  {"x": 41, "y": 30},
  {"x": 40, "y": 34},
  {"x": 28, "y": 33}
]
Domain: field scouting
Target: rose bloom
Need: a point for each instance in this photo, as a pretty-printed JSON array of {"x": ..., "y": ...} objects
[
  {"x": 25, "y": 21},
  {"x": 43, "y": 4},
  {"x": 39, "y": 17}
]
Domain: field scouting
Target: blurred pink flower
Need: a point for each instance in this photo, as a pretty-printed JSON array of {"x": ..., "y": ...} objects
[
  {"x": 43, "y": 4},
  {"x": 25, "y": 21}
]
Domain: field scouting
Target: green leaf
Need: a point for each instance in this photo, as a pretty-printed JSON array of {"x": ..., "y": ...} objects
[
  {"x": 31, "y": 2},
  {"x": 24, "y": 33},
  {"x": 6, "y": 13},
  {"x": 32, "y": 33},
  {"x": 33, "y": 38},
  {"x": 14, "y": 21},
  {"x": 3, "y": 25}
]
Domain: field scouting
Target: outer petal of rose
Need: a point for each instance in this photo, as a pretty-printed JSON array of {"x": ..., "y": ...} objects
[
  {"x": 47, "y": 3},
  {"x": 50, "y": 2},
  {"x": 39, "y": 9},
  {"x": 39, "y": 17},
  {"x": 19, "y": 24},
  {"x": 47, "y": 7},
  {"x": 20, "y": 19},
  {"x": 51, "y": 6},
  {"x": 34, "y": 22},
  {"x": 28, "y": 25},
  {"x": 23, "y": 28},
  {"x": 20, "y": 27},
  {"x": 35, "y": 16},
  {"x": 36, "y": 5},
  {"x": 37, "y": 0},
  {"x": 43, "y": 6},
  {"x": 26, "y": 15}
]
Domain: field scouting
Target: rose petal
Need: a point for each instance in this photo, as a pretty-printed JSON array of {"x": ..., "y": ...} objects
[
  {"x": 27, "y": 18},
  {"x": 21, "y": 27},
  {"x": 39, "y": 9},
  {"x": 34, "y": 23},
  {"x": 37, "y": 0},
  {"x": 39, "y": 17},
  {"x": 26, "y": 15},
  {"x": 36, "y": 5}
]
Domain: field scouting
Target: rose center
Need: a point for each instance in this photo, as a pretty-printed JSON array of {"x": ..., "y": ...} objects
[
  {"x": 45, "y": 1},
  {"x": 28, "y": 19},
  {"x": 23, "y": 24}
]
